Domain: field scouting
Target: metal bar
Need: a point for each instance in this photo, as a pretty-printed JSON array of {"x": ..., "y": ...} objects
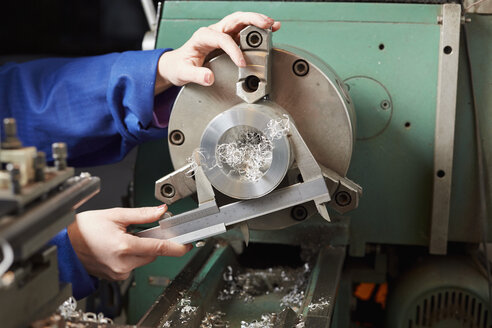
[{"x": 445, "y": 126}]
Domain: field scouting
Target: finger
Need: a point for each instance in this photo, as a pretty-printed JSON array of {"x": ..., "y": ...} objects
[
  {"x": 235, "y": 22},
  {"x": 139, "y": 215},
  {"x": 209, "y": 39},
  {"x": 155, "y": 247},
  {"x": 276, "y": 26},
  {"x": 196, "y": 74}
]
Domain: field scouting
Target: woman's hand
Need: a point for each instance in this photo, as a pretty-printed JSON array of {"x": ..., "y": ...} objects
[
  {"x": 106, "y": 250},
  {"x": 184, "y": 65}
]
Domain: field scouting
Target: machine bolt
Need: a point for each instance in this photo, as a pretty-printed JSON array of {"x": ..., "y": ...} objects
[
  {"x": 254, "y": 39},
  {"x": 385, "y": 104},
  {"x": 176, "y": 137},
  {"x": 300, "y": 67},
  {"x": 343, "y": 198},
  {"x": 299, "y": 213},
  {"x": 39, "y": 164},
  {"x": 59, "y": 150},
  {"x": 10, "y": 129},
  {"x": 251, "y": 83},
  {"x": 168, "y": 190},
  {"x": 14, "y": 178}
]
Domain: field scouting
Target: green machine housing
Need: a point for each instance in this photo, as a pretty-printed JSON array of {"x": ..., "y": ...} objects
[{"x": 390, "y": 56}]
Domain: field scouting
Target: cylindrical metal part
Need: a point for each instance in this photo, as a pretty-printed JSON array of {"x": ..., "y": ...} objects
[
  {"x": 59, "y": 150},
  {"x": 14, "y": 178},
  {"x": 39, "y": 166},
  {"x": 230, "y": 128},
  {"x": 10, "y": 129}
]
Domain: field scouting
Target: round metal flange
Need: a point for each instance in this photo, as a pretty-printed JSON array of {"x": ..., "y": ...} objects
[
  {"x": 316, "y": 103},
  {"x": 223, "y": 129}
]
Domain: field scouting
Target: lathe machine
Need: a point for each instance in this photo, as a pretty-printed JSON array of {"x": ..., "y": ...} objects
[{"x": 340, "y": 179}]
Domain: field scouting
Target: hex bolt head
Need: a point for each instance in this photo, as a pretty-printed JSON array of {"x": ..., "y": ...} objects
[
  {"x": 10, "y": 128},
  {"x": 59, "y": 150}
]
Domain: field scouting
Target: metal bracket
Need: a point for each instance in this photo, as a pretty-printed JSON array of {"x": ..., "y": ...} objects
[{"x": 445, "y": 126}]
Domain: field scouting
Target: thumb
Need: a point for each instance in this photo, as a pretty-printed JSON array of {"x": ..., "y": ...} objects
[
  {"x": 140, "y": 215},
  {"x": 156, "y": 247},
  {"x": 200, "y": 75}
]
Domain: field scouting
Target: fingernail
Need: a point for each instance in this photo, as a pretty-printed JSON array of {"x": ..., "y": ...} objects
[
  {"x": 242, "y": 62},
  {"x": 208, "y": 78},
  {"x": 162, "y": 208}
]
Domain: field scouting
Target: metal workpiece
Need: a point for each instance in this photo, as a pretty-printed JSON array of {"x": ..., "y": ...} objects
[
  {"x": 60, "y": 155},
  {"x": 445, "y": 126},
  {"x": 254, "y": 80},
  {"x": 223, "y": 129}
]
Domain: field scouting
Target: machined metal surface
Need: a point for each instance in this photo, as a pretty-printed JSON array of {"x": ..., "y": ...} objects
[
  {"x": 445, "y": 127},
  {"x": 250, "y": 116}
]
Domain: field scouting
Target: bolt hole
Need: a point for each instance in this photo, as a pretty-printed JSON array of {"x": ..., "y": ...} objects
[
  {"x": 447, "y": 50},
  {"x": 408, "y": 125},
  {"x": 300, "y": 67},
  {"x": 251, "y": 83},
  {"x": 254, "y": 39},
  {"x": 385, "y": 104},
  {"x": 381, "y": 46},
  {"x": 440, "y": 174},
  {"x": 176, "y": 137}
]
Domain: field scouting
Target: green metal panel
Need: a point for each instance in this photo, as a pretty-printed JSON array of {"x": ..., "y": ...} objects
[{"x": 383, "y": 52}]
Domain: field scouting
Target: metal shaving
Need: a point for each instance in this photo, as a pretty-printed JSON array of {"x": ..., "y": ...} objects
[
  {"x": 214, "y": 320},
  {"x": 319, "y": 305},
  {"x": 68, "y": 311},
  {"x": 267, "y": 321},
  {"x": 250, "y": 155},
  {"x": 253, "y": 282},
  {"x": 186, "y": 309}
]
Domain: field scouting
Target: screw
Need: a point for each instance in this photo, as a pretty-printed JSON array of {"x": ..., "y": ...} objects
[
  {"x": 176, "y": 137},
  {"x": 11, "y": 140},
  {"x": 385, "y": 104},
  {"x": 168, "y": 190},
  {"x": 300, "y": 67},
  {"x": 59, "y": 150},
  {"x": 14, "y": 178},
  {"x": 299, "y": 213},
  {"x": 39, "y": 165},
  {"x": 254, "y": 39},
  {"x": 343, "y": 198}
]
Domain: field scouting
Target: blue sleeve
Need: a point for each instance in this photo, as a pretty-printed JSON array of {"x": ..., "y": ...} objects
[
  {"x": 100, "y": 106},
  {"x": 71, "y": 269}
]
